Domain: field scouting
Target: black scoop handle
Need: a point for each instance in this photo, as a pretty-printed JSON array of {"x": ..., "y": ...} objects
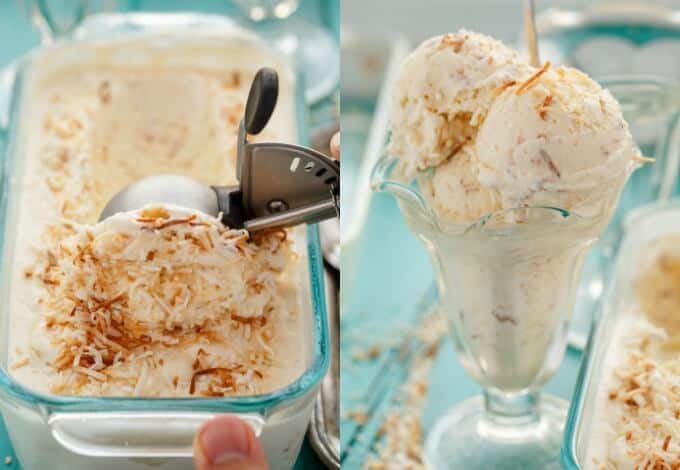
[{"x": 262, "y": 97}]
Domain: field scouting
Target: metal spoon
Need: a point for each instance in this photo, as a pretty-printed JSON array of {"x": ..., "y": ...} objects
[{"x": 280, "y": 185}]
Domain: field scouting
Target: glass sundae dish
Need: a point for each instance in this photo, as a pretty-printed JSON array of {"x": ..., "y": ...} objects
[{"x": 507, "y": 173}]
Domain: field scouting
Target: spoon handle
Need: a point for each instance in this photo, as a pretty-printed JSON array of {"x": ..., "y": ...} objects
[
  {"x": 530, "y": 32},
  {"x": 262, "y": 97}
]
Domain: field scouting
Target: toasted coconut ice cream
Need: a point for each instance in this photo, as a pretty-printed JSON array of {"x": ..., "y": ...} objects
[
  {"x": 484, "y": 131},
  {"x": 164, "y": 301},
  {"x": 443, "y": 92},
  {"x": 635, "y": 414},
  {"x": 454, "y": 189},
  {"x": 557, "y": 140}
]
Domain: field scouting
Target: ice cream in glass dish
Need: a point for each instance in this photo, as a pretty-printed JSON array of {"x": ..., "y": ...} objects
[{"x": 508, "y": 173}]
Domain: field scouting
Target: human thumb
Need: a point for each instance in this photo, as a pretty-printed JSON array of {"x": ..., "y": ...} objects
[
  {"x": 228, "y": 443},
  {"x": 335, "y": 146}
]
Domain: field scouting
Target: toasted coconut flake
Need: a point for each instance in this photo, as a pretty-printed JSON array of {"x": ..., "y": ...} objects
[
  {"x": 223, "y": 372},
  {"x": 22, "y": 363},
  {"x": 504, "y": 86},
  {"x": 643, "y": 159},
  {"x": 543, "y": 108},
  {"x": 258, "y": 321},
  {"x": 104, "y": 92},
  {"x": 358, "y": 416},
  {"x": 113, "y": 306},
  {"x": 531, "y": 81},
  {"x": 92, "y": 373},
  {"x": 452, "y": 42},
  {"x": 161, "y": 223}
]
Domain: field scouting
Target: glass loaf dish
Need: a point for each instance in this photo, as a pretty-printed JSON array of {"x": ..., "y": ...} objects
[
  {"x": 641, "y": 227},
  {"x": 67, "y": 432}
]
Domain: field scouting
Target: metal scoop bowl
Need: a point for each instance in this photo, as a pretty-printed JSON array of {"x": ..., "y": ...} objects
[{"x": 280, "y": 184}]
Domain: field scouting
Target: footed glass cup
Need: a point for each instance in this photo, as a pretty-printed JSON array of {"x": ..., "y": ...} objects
[{"x": 507, "y": 285}]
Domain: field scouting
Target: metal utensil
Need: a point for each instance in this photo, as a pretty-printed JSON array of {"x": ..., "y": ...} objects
[
  {"x": 329, "y": 230},
  {"x": 531, "y": 37},
  {"x": 280, "y": 184}
]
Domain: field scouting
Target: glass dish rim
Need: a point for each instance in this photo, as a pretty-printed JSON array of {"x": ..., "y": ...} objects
[
  {"x": 383, "y": 179},
  {"x": 569, "y": 457},
  {"x": 320, "y": 348},
  {"x": 382, "y": 182}
]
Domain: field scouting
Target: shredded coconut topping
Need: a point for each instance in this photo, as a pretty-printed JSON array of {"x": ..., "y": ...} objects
[
  {"x": 120, "y": 295},
  {"x": 645, "y": 403},
  {"x": 643, "y": 396}
]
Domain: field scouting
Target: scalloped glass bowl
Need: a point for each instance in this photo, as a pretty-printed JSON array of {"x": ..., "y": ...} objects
[{"x": 507, "y": 286}]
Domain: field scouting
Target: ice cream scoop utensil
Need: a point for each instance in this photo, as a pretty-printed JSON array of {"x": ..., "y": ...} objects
[{"x": 280, "y": 184}]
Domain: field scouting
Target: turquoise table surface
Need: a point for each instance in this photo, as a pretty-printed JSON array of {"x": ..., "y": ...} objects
[{"x": 17, "y": 36}]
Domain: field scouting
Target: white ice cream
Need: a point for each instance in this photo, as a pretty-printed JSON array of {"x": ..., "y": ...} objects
[
  {"x": 162, "y": 301},
  {"x": 443, "y": 92},
  {"x": 190, "y": 308},
  {"x": 635, "y": 421},
  {"x": 485, "y": 131},
  {"x": 561, "y": 143},
  {"x": 457, "y": 180}
]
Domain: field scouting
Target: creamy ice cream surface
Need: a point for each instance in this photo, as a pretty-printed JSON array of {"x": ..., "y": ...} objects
[
  {"x": 468, "y": 109},
  {"x": 633, "y": 416},
  {"x": 443, "y": 92},
  {"x": 635, "y": 423},
  {"x": 562, "y": 142},
  {"x": 455, "y": 190},
  {"x": 162, "y": 301}
]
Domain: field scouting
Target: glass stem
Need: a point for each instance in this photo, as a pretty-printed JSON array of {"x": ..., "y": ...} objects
[{"x": 512, "y": 409}]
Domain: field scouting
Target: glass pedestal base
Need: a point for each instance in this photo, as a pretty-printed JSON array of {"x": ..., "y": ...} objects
[{"x": 466, "y": 438}]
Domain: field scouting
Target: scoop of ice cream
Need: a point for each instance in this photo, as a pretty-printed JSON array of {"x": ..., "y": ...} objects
[
  {"x": 455, "y": 191},
  {"x": 163, "y": 300},
  {"x": 163, "y": 269},
  {"x": 558, "y": 140},
  {"x": 501, "y": 134},
  {"x": 442, "y": 93}
]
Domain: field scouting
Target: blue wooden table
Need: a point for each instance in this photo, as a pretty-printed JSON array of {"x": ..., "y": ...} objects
[{"x": 17, "y": 36}]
